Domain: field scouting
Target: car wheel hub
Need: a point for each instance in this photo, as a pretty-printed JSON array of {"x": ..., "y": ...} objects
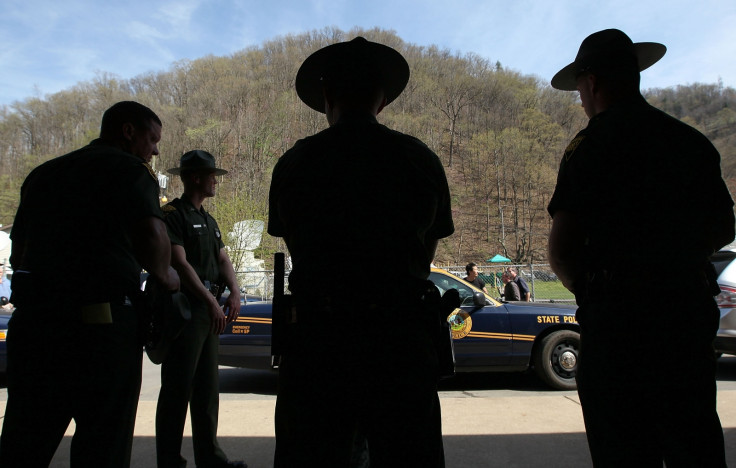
[{"x": 568, "y": 360}]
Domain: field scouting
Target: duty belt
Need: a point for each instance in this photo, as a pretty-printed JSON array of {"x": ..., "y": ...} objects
[{"x": 346, "y": 307}]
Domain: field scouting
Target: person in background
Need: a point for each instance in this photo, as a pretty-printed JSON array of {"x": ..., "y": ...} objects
[
  {"x": 524, "y": 291},
  {"x": 189, "y": 373},
  {"x": 75, "y": 353},
  {"x": 663, "y": 409},
  {"x": 5, "y": 288},
  {"x": 358, "y": 193},
  {"x": 472, "y": 270},
  {"x": 510, "y": 289}
]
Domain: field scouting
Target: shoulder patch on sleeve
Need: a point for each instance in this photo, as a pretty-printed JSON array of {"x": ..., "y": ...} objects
[
  {"x": 150, "y": 171},
  {"x": 573, "y": 146},
  {"x": 168, "y": 208}
]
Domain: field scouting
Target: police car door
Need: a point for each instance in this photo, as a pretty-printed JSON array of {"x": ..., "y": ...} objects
[{"x": 481, "y": 333}]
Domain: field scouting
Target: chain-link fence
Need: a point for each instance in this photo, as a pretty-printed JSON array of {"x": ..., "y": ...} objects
[{"x": 543, "y": 283}]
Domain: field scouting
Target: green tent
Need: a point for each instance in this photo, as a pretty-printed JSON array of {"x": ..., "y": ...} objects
[{"x": 498, "y": 259}]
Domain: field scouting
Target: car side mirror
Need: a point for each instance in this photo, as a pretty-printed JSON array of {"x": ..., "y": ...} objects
[{"x": 479, "y": 299}]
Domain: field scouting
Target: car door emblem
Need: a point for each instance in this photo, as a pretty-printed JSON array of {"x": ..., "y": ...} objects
[{"x": 460, "y": 324}]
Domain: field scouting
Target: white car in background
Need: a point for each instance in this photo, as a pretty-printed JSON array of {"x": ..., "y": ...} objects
[{"x": 725, "y": 266}]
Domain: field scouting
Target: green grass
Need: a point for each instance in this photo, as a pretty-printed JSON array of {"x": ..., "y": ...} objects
[{"x": 551, "y": 290}]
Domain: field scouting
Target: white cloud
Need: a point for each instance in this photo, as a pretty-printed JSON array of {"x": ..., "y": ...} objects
[{"x": 177, "y": 15}]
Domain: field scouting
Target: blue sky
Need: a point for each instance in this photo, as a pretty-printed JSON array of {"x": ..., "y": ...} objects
[{"x": 50, "y": 45}]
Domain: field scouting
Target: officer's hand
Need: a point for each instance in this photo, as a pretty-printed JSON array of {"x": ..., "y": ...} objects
[
  {"x": 232, "y": 306},
  {"x": 171, "y": 281},
  {"x": 219, "y": 320}
]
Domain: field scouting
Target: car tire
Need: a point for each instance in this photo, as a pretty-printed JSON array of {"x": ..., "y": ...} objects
[{"x": 556, "y": 359}]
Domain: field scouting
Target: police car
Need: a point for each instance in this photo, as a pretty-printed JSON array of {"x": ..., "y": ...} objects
[{"x": 489, "y": 336}]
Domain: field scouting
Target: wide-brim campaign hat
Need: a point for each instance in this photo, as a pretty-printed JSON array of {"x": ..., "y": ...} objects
[
  {"x": 167, "y": 315},
  {"x": 607, "y": 46},
  {"x": 358, "y": 60},
  {"x": 197, "y": 161}
]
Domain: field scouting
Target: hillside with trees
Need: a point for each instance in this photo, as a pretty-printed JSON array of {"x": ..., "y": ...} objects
[{"x": 499, "y": 133}]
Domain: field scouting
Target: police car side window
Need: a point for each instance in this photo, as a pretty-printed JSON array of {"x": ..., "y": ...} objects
[{"x": 444, "y": 282}]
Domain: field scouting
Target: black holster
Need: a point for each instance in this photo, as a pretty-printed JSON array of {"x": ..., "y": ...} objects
[
  {"x": 280, "y": 311},
  {"x": 280, "y": 318}
]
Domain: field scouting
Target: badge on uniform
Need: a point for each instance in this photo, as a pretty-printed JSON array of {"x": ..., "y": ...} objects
[
  {"x": 150, "y": 171},
  {"x": 573, "y": 146}
]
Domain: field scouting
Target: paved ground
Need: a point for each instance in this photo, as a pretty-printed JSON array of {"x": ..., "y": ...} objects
[{"x": 487, "y": 421}]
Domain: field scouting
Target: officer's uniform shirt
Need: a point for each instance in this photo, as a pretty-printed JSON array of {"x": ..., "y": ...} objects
[
  {"x": 75, "y": 215},
  {"x": 198, "y": 233},
  {"x": 358, "y": 194},
  {"x": 645, "y": 186}
]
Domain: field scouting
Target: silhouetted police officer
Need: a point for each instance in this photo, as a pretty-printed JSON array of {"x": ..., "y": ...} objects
[
  {"x": 74, "y": 351},
  {"x": 638, "y": 186},
  {"x": 354, "y": 199}
]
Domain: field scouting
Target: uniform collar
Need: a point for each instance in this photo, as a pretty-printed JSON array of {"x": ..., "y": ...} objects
[
  {"x": 622, "y": 106},
  {"x": 356, "y": 117},
  {"x": 100, "y": 142},
  {"x": 190, "y": 206}
]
